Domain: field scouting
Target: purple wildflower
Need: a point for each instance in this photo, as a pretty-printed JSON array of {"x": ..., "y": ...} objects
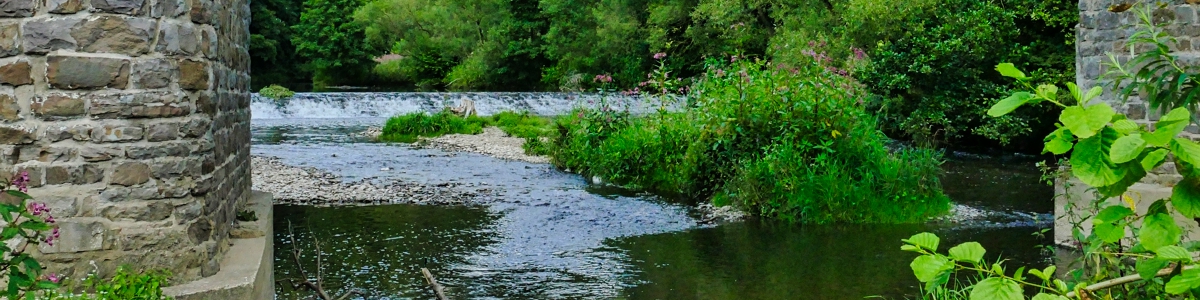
[
  {"x": 660, "y": 55},
  {"x": 22, "y": 182},
  {"x": 37, "y": 208},
  {"x": 605, "y": 78},
  {"x": 720, "y": 73},
  {"x": 733, "y": 58},
  {"x": 859, "y": 53},
  {"x": 53, "y": 277}
]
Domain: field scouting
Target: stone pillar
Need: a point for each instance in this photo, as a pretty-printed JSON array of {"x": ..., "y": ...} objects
[{"x": 132, "y": 119}]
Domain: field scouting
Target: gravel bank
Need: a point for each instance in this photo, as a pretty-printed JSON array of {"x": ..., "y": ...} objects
[
  {"x": 309, "y": 186},
  {"x": 492, "y": 142}
]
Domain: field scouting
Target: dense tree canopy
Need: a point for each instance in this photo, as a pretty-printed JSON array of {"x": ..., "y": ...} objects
[{"x": 902, "y": 51}]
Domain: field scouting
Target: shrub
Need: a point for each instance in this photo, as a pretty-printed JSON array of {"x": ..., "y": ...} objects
[
  {"x": 406, "y": 128},
  {"x": 276, "y": 92},
  {"x": 123, "y": 285},
  {"x": 784, "y": 142},
  {"x": 935, "y": 81}
]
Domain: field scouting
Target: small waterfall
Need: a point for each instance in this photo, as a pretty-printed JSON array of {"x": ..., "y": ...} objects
[{"x": 382, "y": 105}]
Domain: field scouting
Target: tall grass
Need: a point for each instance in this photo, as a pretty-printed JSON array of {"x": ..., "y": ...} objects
[{"x": 782, "y": 142}]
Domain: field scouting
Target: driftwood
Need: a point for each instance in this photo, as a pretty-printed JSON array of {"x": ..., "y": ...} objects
[
  {"x": 317, "y": 286},
  {"x": 437, "y": 288},
  {"x": 465, "y": 109}
]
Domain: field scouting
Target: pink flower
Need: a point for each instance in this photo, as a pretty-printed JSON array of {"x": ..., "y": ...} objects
[
  {"x": 22, "y": 182},
  {"x": 37, "y": 208},
  {"x": 733, "y": 58},
  {"x": 720, "y": 73},
  {"x": 53, "y": 277},
  {"x": 605, "y": 78},
  {"x": 660, "y": 55},
  {"x": 859, "y": 53}
]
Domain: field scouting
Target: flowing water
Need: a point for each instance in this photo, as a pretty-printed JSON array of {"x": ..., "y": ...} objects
[{"x": 549, "y": 235}]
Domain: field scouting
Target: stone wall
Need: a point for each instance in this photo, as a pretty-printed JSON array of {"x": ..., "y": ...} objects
[{"x": 132, "y": 119}]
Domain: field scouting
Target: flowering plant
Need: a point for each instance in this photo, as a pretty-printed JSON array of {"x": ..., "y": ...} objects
[{"x": 25, "y": 223}]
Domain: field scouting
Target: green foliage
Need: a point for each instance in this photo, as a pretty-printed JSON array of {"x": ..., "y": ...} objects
[
  {"x": 408, "y": 127},
  {"x": 332, "y": 44},
  {"x": 272, "y": 53},
  {"x": 1110, "y": 154},
  {"x": 785, "y": 142},
  {"x": 276, "y": 92},
  {"x": 959, "y": 39},
  {"x": 123, "y": 285}
]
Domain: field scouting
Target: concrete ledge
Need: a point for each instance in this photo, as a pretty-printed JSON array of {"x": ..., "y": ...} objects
[{"x": 247, "y": 270}]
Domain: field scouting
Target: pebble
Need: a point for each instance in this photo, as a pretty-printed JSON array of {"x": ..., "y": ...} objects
[{"x": 310, "y": 186}]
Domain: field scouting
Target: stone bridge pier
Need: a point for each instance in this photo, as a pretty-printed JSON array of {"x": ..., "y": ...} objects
[{"x": 132, "y": 119}]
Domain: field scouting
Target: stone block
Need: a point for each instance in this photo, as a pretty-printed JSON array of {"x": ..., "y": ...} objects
[
  {"x": 64, "y": 6},
  {"x": 142, "y": 211},
  {"x": 197, "y": 128},
  {"x": 140, "y": 105},
  {"x": 58, "y": 175},
  {"x": 54, "y": 154},
  {"x": 81, "y": 132},
  {"x": 10, "y": 34},
  {"x": 88, "y": 174},
  {"x": 130, "y": 173},
  {"x": 168, "y": 8},
  {"x": 98, "y": 153},
  {"x": 128, "y": 7},
  {"x": 114, "y": 34},
  {"x": 117, "y": 133},
  {"x": 178, "y": 38},
  {"x": 17, "y": 8},
  {"x": 201, "y": 11},
  {"x": 193, "y": 74},
  {"x": 15, "y": 135},
  {"x": 79, "y": 235},
  {"x": 57, "y": 107},
  {"x": 16, "y": 73},
  {"x": 35, "y": 175},
  {"x": 200, "y": 231},
  {"x": 9, "y": 110},
  {"x": 168, "y": 149},
  {"x": 162, "y": 132},
  {"x": 153, "y": 73},
  {"x": 41, "y": 36},
  {"x": 54, "y": 133},
  {"x": 81, "y": 72}
]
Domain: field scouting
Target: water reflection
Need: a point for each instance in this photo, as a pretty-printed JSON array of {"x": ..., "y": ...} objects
[
  {"x": 379, "y": 249},
  {"x": 755, "y": 260}
]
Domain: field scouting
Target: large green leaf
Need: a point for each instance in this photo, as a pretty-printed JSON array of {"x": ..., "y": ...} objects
[
  {"x": 1130, "y": 172},
  {"x": 1112, "y": 214},
  {"x": 971, "y": 252},
  {"x": 1091, "y": 94},
  {"x": 1109, "y": 232},
  {"x": 1009, "y": 104},
  {"x": 930, "y": 266},
  {"x": 1158, "y": 230},
  {"x": 1127, "y": 148},
  {"x": 1090, "y": 162},
  {"x": 1184, "y": 282},
  {"x": 1185, "y": 197},
  {"x": 924, "y": 240},
  {"x": 1009, "y": 70},
  {"x": 1125, "y": 126},
  {"x": 996, "y": 288},
  {"x": 1153, "y": 159},
  {"x": 1045, "y": 296},
  {"x": 1148, "y": 268},
  {"x": 1168, "y": 127},
  {"x": 1175, "y": 253},
  {"x": 1186, "y": 150},
  {"x": 1060, "y": 141},
  {"x": 1047, "y": 91},
  {"x": 1085, "y": 122},
  {"x": 19, "y": 194}
]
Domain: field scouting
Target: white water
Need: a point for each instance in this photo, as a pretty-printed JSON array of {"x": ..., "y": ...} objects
[{"x": 383, "y": 105}]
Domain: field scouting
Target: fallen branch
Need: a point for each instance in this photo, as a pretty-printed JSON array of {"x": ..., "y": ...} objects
[
  {"x": 1119, "y": 281},
  {"x": 318, "y": 286},
  {"x": 437, "y": 288}
]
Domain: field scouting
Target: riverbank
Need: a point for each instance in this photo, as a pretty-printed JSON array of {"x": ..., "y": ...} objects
[{"x": 310, "y": 186}]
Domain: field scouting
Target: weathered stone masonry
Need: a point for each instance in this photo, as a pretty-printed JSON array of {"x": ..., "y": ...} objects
[{"x": 132, "y": 119}]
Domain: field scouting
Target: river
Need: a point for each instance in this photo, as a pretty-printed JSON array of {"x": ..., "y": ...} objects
[{"x": 547, "y": 234}]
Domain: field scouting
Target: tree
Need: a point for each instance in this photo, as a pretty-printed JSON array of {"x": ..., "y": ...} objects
[
  {"x": 332, "y": 43},
  {"x": 271, "y": 51}
]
